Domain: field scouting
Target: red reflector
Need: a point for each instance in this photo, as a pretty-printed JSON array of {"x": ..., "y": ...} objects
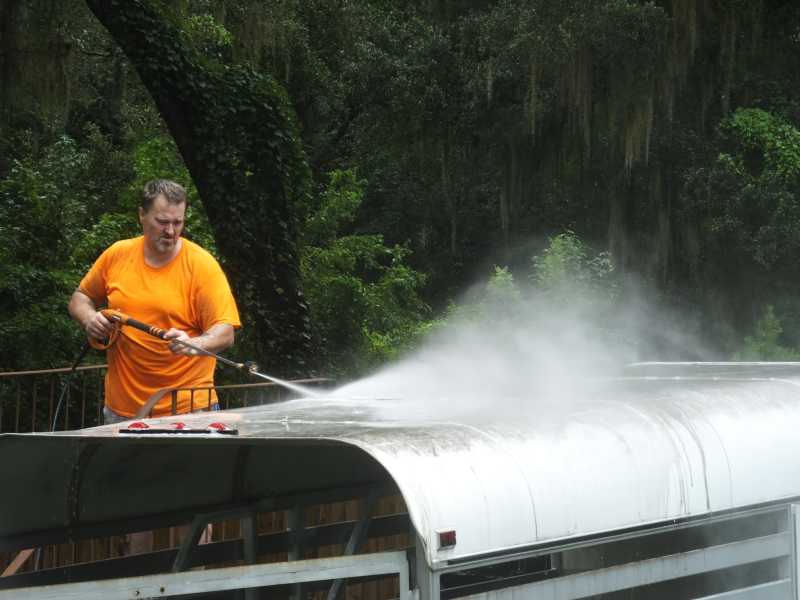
[
  {"x": 138, "y": 425},
  {"x": 447, "y": 539},
  {"x": 179, "y": 425},
  {"x": 218, "y": 426}
]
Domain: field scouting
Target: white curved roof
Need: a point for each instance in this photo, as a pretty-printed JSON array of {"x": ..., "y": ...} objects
[
  {"x": 641, "y": 452},
  {"x": 634, "y": 451}
]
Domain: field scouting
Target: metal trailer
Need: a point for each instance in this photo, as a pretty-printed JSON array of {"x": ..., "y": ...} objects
[{"x": 676, "y": 481}]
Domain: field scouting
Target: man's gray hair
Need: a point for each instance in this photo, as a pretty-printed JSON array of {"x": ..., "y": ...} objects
[{"x": 173, "y": 192}]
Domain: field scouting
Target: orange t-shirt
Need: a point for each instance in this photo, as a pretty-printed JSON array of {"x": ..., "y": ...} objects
[{"x": 189, "y": 293}]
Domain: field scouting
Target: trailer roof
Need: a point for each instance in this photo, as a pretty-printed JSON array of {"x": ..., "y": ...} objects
[{"x": 635, "y": 451}]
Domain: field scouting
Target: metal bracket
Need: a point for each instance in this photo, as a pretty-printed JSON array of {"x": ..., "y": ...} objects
[
  {"x": 201, "y": 521},
  {"x": 297, "y": 546},
  {"x": 357, "y": 536}
]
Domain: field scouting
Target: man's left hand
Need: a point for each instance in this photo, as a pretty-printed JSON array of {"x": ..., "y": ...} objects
[{"x": 176, "y": 336}]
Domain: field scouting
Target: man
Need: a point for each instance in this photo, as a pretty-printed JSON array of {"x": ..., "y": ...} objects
[{"x": 164, "y": 280}]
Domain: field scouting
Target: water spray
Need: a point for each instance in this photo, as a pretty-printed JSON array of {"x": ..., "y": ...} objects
[{"x": 118, "y": 319}]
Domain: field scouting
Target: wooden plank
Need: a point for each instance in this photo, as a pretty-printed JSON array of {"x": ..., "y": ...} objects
[{"x": 16, "y": 564}]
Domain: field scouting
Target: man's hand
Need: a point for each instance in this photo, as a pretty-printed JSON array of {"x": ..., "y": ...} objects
[
  {"x": 176, "y": 336},
  {"x": 98, "y": 327},
  {"x": 84, "y": 311},
  {"x": 216, "y": 339}
]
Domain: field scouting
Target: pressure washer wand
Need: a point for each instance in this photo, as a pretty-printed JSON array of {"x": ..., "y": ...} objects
[
  {"x": 248, "y": 366},
  {"x": 116, "y": 316}
]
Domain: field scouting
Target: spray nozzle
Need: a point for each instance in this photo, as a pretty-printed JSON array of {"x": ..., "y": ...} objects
[{"x": 250, "y": 366}]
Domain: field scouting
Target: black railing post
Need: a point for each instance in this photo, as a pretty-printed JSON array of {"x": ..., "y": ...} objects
[{"x": 19, "y": 402}]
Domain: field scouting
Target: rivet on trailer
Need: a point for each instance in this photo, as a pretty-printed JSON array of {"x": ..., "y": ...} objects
[{"x": 675, "y": 481}]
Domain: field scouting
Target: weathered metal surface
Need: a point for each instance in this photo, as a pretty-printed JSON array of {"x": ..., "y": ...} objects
[
  {"x": 632, "y": 452},
  {"x": 635, "y": 575},
  {"x": 227, "y": 578},
  {"x": 775, "y": 590}
]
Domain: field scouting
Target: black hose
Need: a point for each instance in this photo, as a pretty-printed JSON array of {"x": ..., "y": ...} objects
[{"x": 67, "y": 381}]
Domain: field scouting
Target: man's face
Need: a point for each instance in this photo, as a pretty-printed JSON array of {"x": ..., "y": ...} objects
[{"x": 162, "y": 225}]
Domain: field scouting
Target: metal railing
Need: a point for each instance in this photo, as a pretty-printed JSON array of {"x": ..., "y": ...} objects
[
  {"x": 238, "y": 395},
  {"x": 29, "y": 399}
]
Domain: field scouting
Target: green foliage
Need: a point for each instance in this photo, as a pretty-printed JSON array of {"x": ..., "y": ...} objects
[
  {"x": 208, "y": 36},
  {"x": 110, "y": 228},
  {"x": 39, "y": 208},
  {"x": 565, "y": 279},
  {"x": 476, "y": 127},
  {"x": 501, "y": 288},
  {"x": 336, "y": 208},
  {"x": 158, "y": 157},
  {"x": 43, "y": 211},
  {"x": 750, "y": 197},
  {"x": 566, "y": 269},
  {"x": 498, "y": 299},
  {"x": 767, "y": 144},
  {"x": 765, "y": 344},
  {"x": 363, "y": 297}
]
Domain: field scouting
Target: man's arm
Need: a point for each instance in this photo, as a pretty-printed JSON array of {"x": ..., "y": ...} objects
[
  {"x": 216, "y": 339},
  {"x": 82, "y": 308}
]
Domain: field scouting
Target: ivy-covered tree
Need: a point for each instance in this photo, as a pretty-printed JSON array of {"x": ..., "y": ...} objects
[
  {"x": 236, "y": 132},
  {"x": 663, "y": 131}
]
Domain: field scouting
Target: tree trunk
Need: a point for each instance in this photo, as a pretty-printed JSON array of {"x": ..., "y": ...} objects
[
  {"x": 663, "y": 205},
  {"x": 449, "y": 194},
  {"x": 617, "y": 225},
  {"x": 236, "y": 132},
  {"x": 33, "y": 62}
]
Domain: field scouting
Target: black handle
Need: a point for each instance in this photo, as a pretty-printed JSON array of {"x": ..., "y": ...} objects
[{"x": 151, "y": 329}]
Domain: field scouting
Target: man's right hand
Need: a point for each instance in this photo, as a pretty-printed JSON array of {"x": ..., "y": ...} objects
[
  {"x": 84, "y": 311},
  {"x": 98, "y": 327}
]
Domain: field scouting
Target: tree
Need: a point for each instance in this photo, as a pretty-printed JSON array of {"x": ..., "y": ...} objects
[
  {"x": 49, "y": 235},
  {"x": 236, "y": 132},
  {"x": 481, "y": 127},
  {"x": 364, "y": 300},
  {"x": 765, "y": 343},
  {"x": 746, "y": 200}
]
